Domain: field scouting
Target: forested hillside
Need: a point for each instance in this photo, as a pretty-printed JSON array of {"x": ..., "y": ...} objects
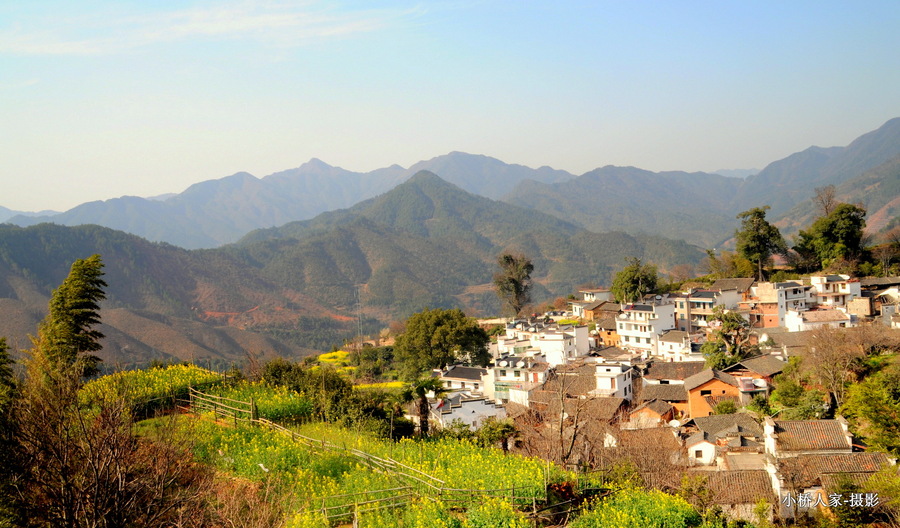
[{"x": 289, "y": 290}]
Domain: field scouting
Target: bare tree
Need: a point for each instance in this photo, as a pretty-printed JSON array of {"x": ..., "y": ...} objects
[
  {"x": 833, "y": 356},
  {"x": 825, "y": 199},
  {"x": 885, "y": 253}
]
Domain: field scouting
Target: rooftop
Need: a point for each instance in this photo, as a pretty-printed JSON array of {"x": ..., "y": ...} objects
[
  {"x": 708, "y": 375},
  {"x": 739, "y": 284},
  {"x": 463, "y": 373},
  {"x": 669, "y": 393},
  {"x": 766, "y": 365},
  {"x": 740, "y": 487},
  {"x": 678, "y": 370},
  {"x": 811, "y": 435}
]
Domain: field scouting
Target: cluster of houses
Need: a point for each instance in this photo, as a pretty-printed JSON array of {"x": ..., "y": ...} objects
[{"x": 640, "y": 370}]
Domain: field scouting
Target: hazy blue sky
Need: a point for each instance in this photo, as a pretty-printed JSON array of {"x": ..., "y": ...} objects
[{"x": 100, "y": 99}]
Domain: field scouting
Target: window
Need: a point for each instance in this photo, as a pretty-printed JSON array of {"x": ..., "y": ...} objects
[
  {"x": 706, "y": 393},
  {"x": 698, "y": 453},
  {"x": 663, "y": 382},
  {"x": 503, "y": 373},
  {"x": 626, "y": 339},
  {"x": 462, "y": 385},
  {"x": 648, "y": 340},
  {"x": 476, "y": 386},
  {"x": 516, "y": 373}
]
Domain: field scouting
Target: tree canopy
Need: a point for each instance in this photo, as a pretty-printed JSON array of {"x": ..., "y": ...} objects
[
  {"x": 437, "y": 338},
  {"x": 836, "y": 236},
  {"x": 873, "y": 408},
  {"x": 513, "y": 281},
  {"x": 731, "y": 333},
  {"x": 634, "y": 281},
  {"x": 757, "y": 239}
]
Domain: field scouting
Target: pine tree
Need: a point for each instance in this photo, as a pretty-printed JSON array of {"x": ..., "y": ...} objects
[{"x": 67, "y": 336}]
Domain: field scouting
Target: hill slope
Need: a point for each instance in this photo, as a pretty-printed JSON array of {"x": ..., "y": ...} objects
[
  {"x": 162, "y": 302},
  {"x": 427, "y": 243},
  {"x": 694, "y": 207}
]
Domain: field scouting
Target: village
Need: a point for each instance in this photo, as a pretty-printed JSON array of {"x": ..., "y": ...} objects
[{"x": 607, "y": 383}]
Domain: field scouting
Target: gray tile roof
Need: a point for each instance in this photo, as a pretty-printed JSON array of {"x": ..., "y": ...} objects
[
  {"x": 676, "y": 370},
  {"x": 461, "y": 372},
  {"x": 810, "y": 435},
  {"x": 739, "y": 284},
  {"x": 810, "y": 469},
  {"x": 707, "y": 375},
  {"x": 729, "y": 425},
  {"x": 766, "y": 365},
  {"x": 674, "y": 336},
  {"x": 669, "y": 393},
  {"x": 740, "y": 487}
]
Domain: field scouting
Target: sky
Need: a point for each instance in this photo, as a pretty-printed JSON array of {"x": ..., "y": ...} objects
[{"x": 100, "y": 99}]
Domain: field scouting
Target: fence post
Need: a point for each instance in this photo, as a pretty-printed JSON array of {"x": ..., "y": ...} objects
[{"x": 254, "y": 412}]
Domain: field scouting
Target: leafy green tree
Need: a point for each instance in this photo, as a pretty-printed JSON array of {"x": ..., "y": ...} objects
[
  {"x": 836, "y": 236},
  {"x": 634, "y": 281},
  {"x": 513, "y": 281},
  {"x": 68, "y": 335},
  {"x": 725, "y": 407},
  {"x": 873, "y": 409},
  {"x": 730, "y": 337},
  {"x": 757, "y": 239},
  {"x": 437, "y": 338},
  {"x": 494, "y": 431},
  {"x": 759, "y": 405},
  {"x": 796, "y": 402}
]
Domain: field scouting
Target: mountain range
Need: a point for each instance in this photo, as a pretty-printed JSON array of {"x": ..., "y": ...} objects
[
  {"x": 298, "y": 260},
  {"x": 307, "y": 285},
  {"x": 697, "y": 207}
]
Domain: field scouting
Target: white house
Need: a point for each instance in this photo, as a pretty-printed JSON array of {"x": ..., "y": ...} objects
[
  {"x": 835, "y": 290},
  {"x": 676, "y": 345},
  {"x": 613, "y": 379},
  {"x": 811, "y": 319},
  {"x": 559, "y": 344},
  {"x": 640, "y": 325},
  {"x": 515, "y": 376}
]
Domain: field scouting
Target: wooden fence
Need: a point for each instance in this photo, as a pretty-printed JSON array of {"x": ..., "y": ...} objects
[
  {"x": 226, "y": 408},
  {"x": 412, "y": 483}
]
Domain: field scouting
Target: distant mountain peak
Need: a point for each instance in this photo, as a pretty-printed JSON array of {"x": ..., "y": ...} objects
[{"x": 315, "y": 163}]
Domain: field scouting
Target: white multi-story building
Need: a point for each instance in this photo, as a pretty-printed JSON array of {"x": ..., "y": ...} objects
[
  {"x": 693, "y": 309},
  {"x": 640, "y": 325},
  {"x": 613, "y": 379},
  {"x": 769, "y": 302},
  {"x": 835, "y": 291},
  {"x": 559, "y": 344},
  {"x": 513, "y": 377}
]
